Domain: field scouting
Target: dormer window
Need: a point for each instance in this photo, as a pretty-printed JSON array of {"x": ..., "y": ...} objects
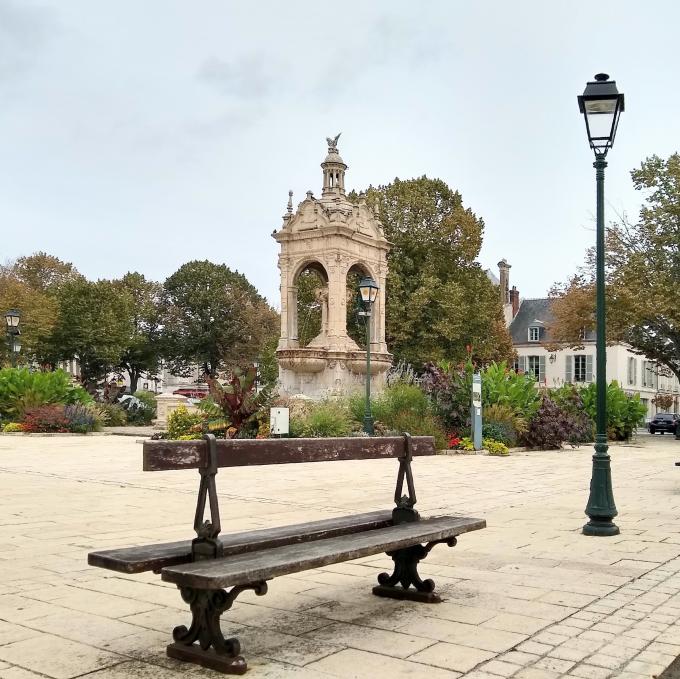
[{"x": 534, "y": 333}]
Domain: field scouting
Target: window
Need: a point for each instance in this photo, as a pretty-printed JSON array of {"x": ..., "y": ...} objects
[
  {"x": 533, "y": 366},
  {"x": 579, "y": 368},
  {"x": 632, "y": 370},
  {"x": 534, "y": 334}
]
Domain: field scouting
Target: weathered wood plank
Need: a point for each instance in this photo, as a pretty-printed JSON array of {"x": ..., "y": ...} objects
[
  {"x": 167, "y": 455},
  {"x": 154, "y": 557},
  {"x": 264, "y": 565}
]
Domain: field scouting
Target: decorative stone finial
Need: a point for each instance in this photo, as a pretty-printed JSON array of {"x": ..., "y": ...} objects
[
  {"x": 290, "y": 203},
  {"x": 310, "y": 195}
]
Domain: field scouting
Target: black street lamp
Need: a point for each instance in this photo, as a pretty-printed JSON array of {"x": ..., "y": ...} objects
[
  {"x": 369, "y": 291},
  {"x": 601, "y": 105},
  {"x": 12, "y": 318}
]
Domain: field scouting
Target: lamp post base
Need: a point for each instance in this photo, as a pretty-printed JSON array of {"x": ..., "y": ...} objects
[
  {"x": 368, "y": 425},
  {"x": 601, "y": 527}
]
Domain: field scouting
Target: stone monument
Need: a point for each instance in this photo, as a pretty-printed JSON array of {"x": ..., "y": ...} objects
[{"x": 334, "y": 237}]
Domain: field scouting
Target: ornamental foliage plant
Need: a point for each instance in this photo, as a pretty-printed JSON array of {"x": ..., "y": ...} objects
[
  {"x": 625, "y": 412},
  {"x": 22, "y": 390},
  {"x": 551, "y": 426}
]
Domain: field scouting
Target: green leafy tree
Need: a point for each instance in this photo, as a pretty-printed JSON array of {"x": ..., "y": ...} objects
[
  {"x": 643, "y": 274},
  {"x": 142, "y": 353},
  {"x": 30, "y": 284},
  {"x": 94, "y": 325},
  {"x": 44, "y": 272},
  {"x": 440, "y": 303},
  {"x": 309, "y": 285},
  {"x": 215, "y": 318}
]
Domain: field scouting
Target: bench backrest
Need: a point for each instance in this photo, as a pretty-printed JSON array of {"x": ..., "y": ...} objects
[{"x": 167, "y": 455}]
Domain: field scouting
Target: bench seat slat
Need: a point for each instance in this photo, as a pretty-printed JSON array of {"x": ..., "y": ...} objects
[
  {"x": 154, "y": 557},
  {"x": 263, "y": 565},
  {"x": 168, "y": 455}
]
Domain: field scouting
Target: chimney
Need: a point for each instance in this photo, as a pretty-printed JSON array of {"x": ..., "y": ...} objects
[
  {"x": 504, "y": 269},
  {"x": 514, "y": 300}
]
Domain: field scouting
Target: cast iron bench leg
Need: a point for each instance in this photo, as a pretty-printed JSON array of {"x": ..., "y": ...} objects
[
  {"x": 405, "y": 574},
  {"x": 207, "y": 605}
]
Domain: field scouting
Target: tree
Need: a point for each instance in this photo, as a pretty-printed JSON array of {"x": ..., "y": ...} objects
[
  {"x": 142, "y": 353},
  {"x": 643, "y": 274},
  {"x": 94, "y": 325},
  {"x": 439, "y": 300},
  {"x": 44, "y": 272},
  {"x": 213, "y": 317},
  {"x": 38, "y": 314},
  {"x": 30, "y": 284}
]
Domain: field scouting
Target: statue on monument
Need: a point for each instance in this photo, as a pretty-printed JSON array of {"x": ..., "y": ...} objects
[{"x": 333, "y": 143}]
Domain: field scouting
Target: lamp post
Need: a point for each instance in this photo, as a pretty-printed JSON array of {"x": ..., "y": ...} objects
[
  {"x": 601, "y": 105},
  {"x": 369, "y": 291},
  {"x": 12, "y": 318}
]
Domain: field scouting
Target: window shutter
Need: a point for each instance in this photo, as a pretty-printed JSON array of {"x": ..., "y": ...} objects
[
  {"x": 655, "y": 376},
  {"x": 589, "y": 368},
  {"x": 568, "y": 377},
  {"x": 541, "y": 369},
  {"x": 522, "y": 363}
]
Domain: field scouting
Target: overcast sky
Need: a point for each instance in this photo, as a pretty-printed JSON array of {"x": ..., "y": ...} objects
[{"x": 137, "y": 135}]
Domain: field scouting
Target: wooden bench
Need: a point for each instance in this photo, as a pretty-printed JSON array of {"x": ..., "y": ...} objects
[{"x": 204, "y": 567}]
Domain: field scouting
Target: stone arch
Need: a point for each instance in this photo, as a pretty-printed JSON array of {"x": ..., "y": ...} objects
[
  {"x": 355, "y": 324},
  {"x": 309, "y": 300}
]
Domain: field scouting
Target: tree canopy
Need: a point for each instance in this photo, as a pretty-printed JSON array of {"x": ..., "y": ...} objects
[
  {"x": 142, "y": 353},
  {"x": 643, "y": 274},
  {"x": 440, "y": 303},
  {"x": 214, "y": 318},
  {"x": 94, "y": 324}
]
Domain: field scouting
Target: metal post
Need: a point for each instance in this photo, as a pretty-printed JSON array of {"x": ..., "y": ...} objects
[
  {"x": 368, "y": 418},
  {"x": 12, "y": 353},
  {"x": 601, "y": 508}
]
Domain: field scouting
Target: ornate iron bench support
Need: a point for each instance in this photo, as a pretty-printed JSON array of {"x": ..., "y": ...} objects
[
  {"x": 405, "y": 581},
  {"x": 212, "y": 649}
]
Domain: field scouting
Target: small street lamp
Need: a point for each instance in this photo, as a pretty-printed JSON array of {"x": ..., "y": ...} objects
[
  {"x": 369, "y": 291},
  {"x": 601, "y": 105},
  {"x": 12, "y": 318}
]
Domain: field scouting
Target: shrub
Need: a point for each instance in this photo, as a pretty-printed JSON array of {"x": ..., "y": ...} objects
[
  {"x": 499, "y": 431},
  {"x": 449, "y": 391},
  {"x": 22, "y": 390},
  {"x": 13, "y": 427},
  {"x": 552, "y": 426},
  {"x": 502, "y": 386},
  {"x": 322, "y": 419},
  {"x": 465, "y": 443},
  {"x": 402, "y": 408},
  {"x": 181, "y": 423},
  {"x": 494, "y": 447},
  {"x": 625, "y": 412},
  {"x": 81, "y": 419},
  {"x": 113, "y": 415},
  {"x": 568, "y": 399},
  {"x": 148, "y": 398},
  {"x": 46, "y": 419},
  {"x": 143, "y": 411},
  {"x": 500, "y": 422}
]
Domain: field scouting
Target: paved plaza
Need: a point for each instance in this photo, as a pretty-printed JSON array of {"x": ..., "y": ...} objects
[{"x": 528, "y": 597}]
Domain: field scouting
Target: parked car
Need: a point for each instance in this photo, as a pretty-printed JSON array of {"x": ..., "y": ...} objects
[{"x": 664, "y": 422}]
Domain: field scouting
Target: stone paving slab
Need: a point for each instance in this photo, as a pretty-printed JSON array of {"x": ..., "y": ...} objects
[{"x": 528, "y": 597}]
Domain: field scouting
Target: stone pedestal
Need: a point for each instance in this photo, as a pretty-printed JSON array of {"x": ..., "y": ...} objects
[{"x": 165, "y": 404}]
